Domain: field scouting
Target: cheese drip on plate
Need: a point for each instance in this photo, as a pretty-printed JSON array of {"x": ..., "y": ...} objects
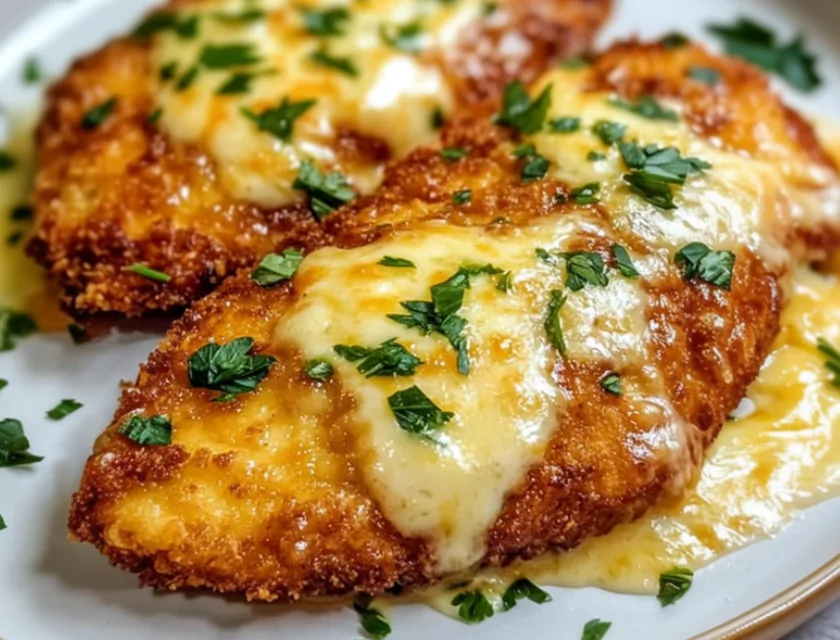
[{"x": 372, "y": 68}]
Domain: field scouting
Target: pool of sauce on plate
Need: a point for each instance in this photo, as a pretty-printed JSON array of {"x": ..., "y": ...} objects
[{"x": 24, "y": 285}]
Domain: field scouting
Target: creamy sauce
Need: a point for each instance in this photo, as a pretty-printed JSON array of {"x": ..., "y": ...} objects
[
  {"x": 23, "y": 284},
  {"x": 392, "y": 98}
]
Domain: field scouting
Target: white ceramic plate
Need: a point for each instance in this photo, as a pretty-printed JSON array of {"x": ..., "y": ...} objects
[{"x": 51, "y": 589}]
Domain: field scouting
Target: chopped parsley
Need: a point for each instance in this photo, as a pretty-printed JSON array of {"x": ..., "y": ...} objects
[
  {"x": 276, "y": 268},
  {"x": 186, "y": 81},
  {"x": 280, "y": 121},
  {"x": 523, "y": 588},
  {"x": 245, "y": 16},
  {"x": 552, "y": 324},
  {"x": 319, "y": 369},
  {"x": 609, "y": 132},
  {"x": 655, "y": 169},
  {"x": 78, "y": 334},
  {"x": 389, "y": 261},
  {"x": 22, "y": 213},
  {"x": 228, "y": 368},
  {"x": 239, "y": 82},
  {"x": 372, "y": 621},
  {"x": 587, "y": 194},
  {"x": 504, "y": 281},
  {"x": 14, "y": 326},
  {"x": 833, "y": 362},
  {"x": 330, "y": 22},
  {"x": 416, "y": 413},
  {"x": 148, "y": 432},
  {"x": 437, "y": 119},
  {"x": 595, "y": 630},
  {"x": 343, "y": 65},
  {"x": 224, "y": 56},
  {"x": 585, "y": 267},
  {"x": 3, "y": 383},
  {"x": 674, "y": 584},
  {"x": 14, "y": 445},
  {"x": 32, "y": 73},
  {"x": 14, "y": 237},
  {"x": 96, "y": 116},
  {"x": 535, "y": 166},
  {"x": 7, "y": 161},
  {"x": 758, "y": 44},
  {"x": 564, "y": 125},
  {"x": 520, "y": 112},
  {"x": 159, "y": 21},
  {"x": 154, "y": 116},
  {"x": 595, "y": 156},
  {"x": 64, "y": 409},
  {"x": 405, "y": 37},
  {"x": 623, "y": 262},
  {"x": 473, "y": 606},
  {"x": 699, "y": 261},
  {"x": 388, "y": 359},
  {"x": 611, "y": 383},
  {"x": 327, "y": 192},
  {"x": 704, "y": 75},
  {"x": 674, "y": 41},
  {"x": 148, "y": 272},
  {"x": 462, "y": 197},
  {"x": 168, "y": 71},
  {"x": 2, "y": 523},
  {"x": 646, "y": 107},
  {"x": 451, "y": 154}
]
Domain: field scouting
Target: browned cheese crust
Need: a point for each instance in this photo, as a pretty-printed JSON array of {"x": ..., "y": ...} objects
[
  {"x": 126, "y": 193},
  {"x": 323, "y": 534}
]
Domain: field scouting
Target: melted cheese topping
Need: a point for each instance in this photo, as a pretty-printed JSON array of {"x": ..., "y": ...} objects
[
  {"x": 781, "y": 456},
  {"x": 505, "y": 411},
  {"x": 23, "y": 284},
  {"x": 392, "y": 98}
]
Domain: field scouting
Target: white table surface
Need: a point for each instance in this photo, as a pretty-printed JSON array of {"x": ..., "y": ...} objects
[{"x": 826, "y": 626}]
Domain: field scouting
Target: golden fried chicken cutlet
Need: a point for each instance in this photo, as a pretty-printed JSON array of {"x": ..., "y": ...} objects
[
  {"x": 517, "y": 343},
  {"x": 219, "y": 132}
]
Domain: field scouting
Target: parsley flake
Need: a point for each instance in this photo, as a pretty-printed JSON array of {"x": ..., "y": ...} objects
[
  {"x": 148, "y": 432},
  {"x": 552, "y": 324},
  {"x": 280, "y": 121},
  {"x": 699, "y": 261},
  {"x": 587, "y": 194},
  {"x": 32, "y": 73},
  {"x": 372, "y": 621},
  {"x": 462, "y": 197},
  {"x": 564, "y": 125},
  {"x": 623, "y": 262},
  {"x": 225, "y": 56},
  {"x": 473, "y": 606},
  {"x": 327, "y": 192},
  {"x": 520, "y": 112},
  {"x": 96, "y": 116},
  {"x": 14, "y": 326},
  {"x": 674, "y": 40},
  {"x": 276, "y": 268},
  {"x": 595, "y": 156},
  {"x": 239, "y": 82},
  {"x": 159, "y": 21},
  {"x": 609, "y": 132},
  {"x": 611, "y": 383},
  {"x": 535, "y": 166},
  {"x": 2, "y": 523},
  {"x": 7, "y": 161},
  {"x": 389, "y": 261},
  {"x": 673, "y": 585},
  {"x": 595, "y": 630},
  {"x": 406, "y": 37},
  {"x": 63, "y": 409},
  {"x": 343, "y": 65},
  {"x": 388, "y": 359},
  {"x": 14, "y": 445},
  {"x": 245, "y": 16},
  {"x": 3, "y": 383},
  {"x": 148, "y": 272},
  {"x": 656, "y": 169},
  {"x": 585, "y": 267},
  {"x": 330, "y": 22},
  {"x": 451, "y": 154},
  {"x": 833, "y": 362},
  {"x": 646, "y": 107},
  {"x": 523, "y": 588},
  {"x": 416, "y": 413},
  {"x": 228, "y": 368},
  {"x": 758, "y": 44},
  {"x": 319, "y": 369}
]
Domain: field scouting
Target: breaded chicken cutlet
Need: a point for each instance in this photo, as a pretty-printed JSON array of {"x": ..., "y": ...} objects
[
  {"x": 518, "y": 342},
  {"x": 217, "y": 134}
]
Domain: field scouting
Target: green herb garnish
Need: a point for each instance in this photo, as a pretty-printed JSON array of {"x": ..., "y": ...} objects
[
  {"x": 451, "y": 154},
  {"x": 833, "y": 362},
  {"x": 611, "y": 383},
  {"x": 372, "y": 621},
  {"x": 609, "y": 132},
  {"x": 405, "y": 37},
  {"x": 386, "y": 360},
  {"x": 584, "y": 267},
  {"x": 623, "y": 262},
  {"x": 319, "y": 369},
  {"x": 280, "y": 121},
  {"x": 564, "y": 125},
  {"x": 674, "y": 584},
  {"x": 699, "y": 261},
  {"x": 96, "y": 116},
  {"x": 63, "y": 409},
  {"x": 7, "y": 161},
  {"x": 32, "y": 73},
  {"x": 148, "y": 432},
  {"x": 523, "y": 588},
  {"x": 239, "y": 82},
  {"x": 330, "y": 22},
  {"x": 159, "y": 21},
  {"x": 228, "y": 368},
  {"x": 276, "y": 268},
  {"x": 595, "y": 630},
  {"x": 13, "y": 327},
  {"x": 758, "y": 44},
  {"x": 14, "y": 445},
  {"x": 674, "y": 41},
  {"x": 3, "y": 383},
  {"x": 416, "y": 413},
  {"x": 535, "y": 166},
  {"x": 148, "y": 272},
  {"x": 656, "y": 170},
  {"x": 595, "y": 156},
  {"x": 462, "y": 197},
  {"x": 224, "y": 56},
  {"x": 389, "y": 261},
  {"x": 587, "y": 194},
  {"x": 520, "y": 112},
  {"x": 327, "y": 192},
  {"x": 552, "y": 324},
  {"x": 473, "y": 606},
  {"x": 245, "y": 16},
  {"x": 343, "y": 65},
  {"x": 646, "y": 107}
]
